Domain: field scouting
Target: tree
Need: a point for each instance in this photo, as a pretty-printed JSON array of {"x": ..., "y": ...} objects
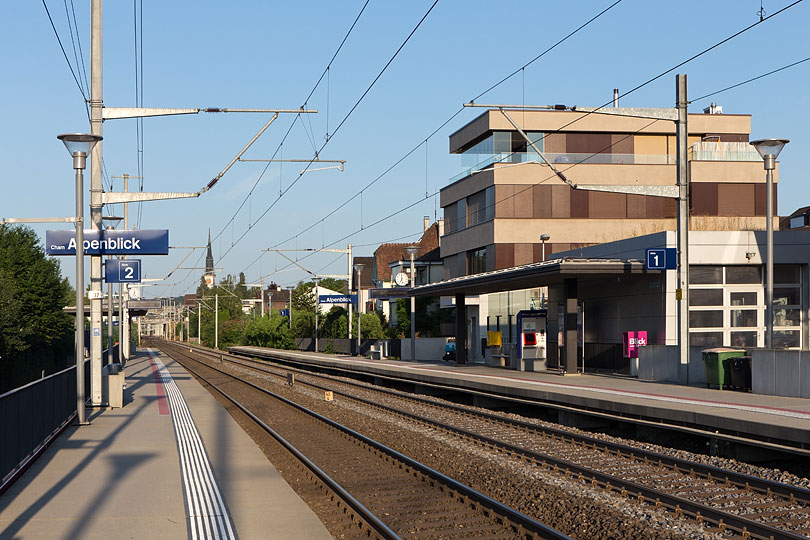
[
  {"x": 335, "y": 323},
  {"x": 303, "y": 324},
  {"x": 231, "y": 332},
  {"x": 269, "y": 331},
  {"x": 403, "y": 310},
  {"x": 370, "y": 325},
  {"x": 35, "y": 333},
  {"x": 303, "y": 298}
]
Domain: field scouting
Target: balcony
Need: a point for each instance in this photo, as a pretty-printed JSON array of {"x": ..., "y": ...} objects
[
  {"x": 701, "y": 151},
  {"x": 723, "y": 151}
]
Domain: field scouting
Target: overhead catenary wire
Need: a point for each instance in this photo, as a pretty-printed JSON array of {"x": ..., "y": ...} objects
[
  {"x": 634, "y": 89},
  {"x": 292, "y": 124},
  {"x": 70, "y": 66},
  {"x": 649, "y": 81},
  {"x": 297, "y": 117},
  {"x": 750, "y": 80},
  {"x": 454, "y": 115},
  {"x": 342, "y": 122}
]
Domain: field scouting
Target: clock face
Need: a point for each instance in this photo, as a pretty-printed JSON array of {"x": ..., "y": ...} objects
[{"x": 401, "y": 279}]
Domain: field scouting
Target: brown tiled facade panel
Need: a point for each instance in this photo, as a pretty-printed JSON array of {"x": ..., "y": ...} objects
[
  {"x": 636, "y": 206},
  {"x": 761, "y": 198},
  {"x": 735, "y": 200},
  {"x": 703, "y": 199},
  {"x": 554, "y": 143},
  {"x": 655, "y": 207},
  {"x": 504, "y": 256},
  {"x": 524, "y": 202},
  {"x": 504, "y": 201},
  {"x": 560, "y": 201},
  {"x": 524, "y": 254},
  {"x": 607, "y": 205},
  {"x": 588, "y": 143},
  {"x": 621, "y": 143},
  {"x": 542, "y": 201},
  {"x": 670, "y": 208},
  {"x": 579, "y": 203}
]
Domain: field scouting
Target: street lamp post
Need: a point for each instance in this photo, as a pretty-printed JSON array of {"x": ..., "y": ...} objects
[
  {"x": 412, "y": 251},
  {"x": 544, "y": 238},
  {"x": 79, "y": 145},
  {"x": 769, "y": 150},
  {"x": 358, "y": 267}
]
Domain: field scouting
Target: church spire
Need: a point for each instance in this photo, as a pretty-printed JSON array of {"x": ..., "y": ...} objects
[{"x": 210, "y": 276}]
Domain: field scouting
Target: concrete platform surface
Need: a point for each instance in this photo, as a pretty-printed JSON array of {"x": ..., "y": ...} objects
[{"x": 122, "y": 476}]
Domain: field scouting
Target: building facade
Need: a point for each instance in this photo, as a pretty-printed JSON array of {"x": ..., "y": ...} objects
[
  {"x": 497, "y": 209},
  {"x": 508, "y": 207}
]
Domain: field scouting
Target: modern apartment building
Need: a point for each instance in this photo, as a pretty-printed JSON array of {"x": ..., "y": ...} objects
[
  {"x": 497, "y": 209},
  {"x": 508, "y": 207}
]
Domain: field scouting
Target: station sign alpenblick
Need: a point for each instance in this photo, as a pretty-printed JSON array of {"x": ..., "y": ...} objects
[{"x": 134, "y": 242}]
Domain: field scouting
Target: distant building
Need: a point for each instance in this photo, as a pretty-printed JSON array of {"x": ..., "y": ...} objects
[
  {"x": 391, "y": 256},
  {"x": 800, "y": 219}
]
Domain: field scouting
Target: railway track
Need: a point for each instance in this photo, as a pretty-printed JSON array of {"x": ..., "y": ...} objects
[
  {"x": 728, "y": 502},
  {"x": 393, "y": 495}
]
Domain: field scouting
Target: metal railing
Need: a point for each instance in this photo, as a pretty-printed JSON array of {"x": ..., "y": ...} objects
[{"x": 31, "y": 416}]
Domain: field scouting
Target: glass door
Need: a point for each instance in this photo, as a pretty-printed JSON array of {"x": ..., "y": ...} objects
[{"x": 746, "y": 315}]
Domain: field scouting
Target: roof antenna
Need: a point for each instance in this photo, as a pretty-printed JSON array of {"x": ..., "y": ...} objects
[{"x": 761, "y": 12}]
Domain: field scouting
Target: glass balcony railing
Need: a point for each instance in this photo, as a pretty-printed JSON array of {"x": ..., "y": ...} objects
[
  {"x": 475, "y": 162},
  {"x": 723, "y": 151},
  {"x": 701, "y": 151}
]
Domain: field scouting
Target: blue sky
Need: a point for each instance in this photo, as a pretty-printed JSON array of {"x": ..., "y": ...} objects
[{"x": 270, "y": 55}]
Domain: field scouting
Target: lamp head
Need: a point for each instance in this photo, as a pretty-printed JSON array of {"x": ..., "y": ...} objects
[
  {"x": 79, "y": 142},
  {"x": 358, "y": 267},
  {"x": 544, "y": 237},
  {"x": 769, "y": 147},
  {"x": 112, "y": 220},
  {"x": 412, "y": 250}
]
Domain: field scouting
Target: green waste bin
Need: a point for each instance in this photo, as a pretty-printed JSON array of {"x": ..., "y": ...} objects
[{"x": 718, "y": 366}]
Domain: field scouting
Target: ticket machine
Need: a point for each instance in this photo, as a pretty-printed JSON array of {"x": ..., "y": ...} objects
[{"x": 532, "y": 332}]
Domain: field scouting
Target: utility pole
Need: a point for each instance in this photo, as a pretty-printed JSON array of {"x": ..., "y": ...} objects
[
  {"x": 96, "y": 106},
  {"x": 124, "y": 318},
  {"x": 682, "y": 292}
]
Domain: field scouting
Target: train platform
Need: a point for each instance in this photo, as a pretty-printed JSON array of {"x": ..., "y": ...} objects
[
  {"x": 782, "y": 423},
  {"x": 170, "y": 464}
]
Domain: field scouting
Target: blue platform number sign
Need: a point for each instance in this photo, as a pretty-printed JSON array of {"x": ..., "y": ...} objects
[
  {"x": 661, "y": 259},
  {"x": 122, "y": 271},
  {"x": 284, "y": 312}
]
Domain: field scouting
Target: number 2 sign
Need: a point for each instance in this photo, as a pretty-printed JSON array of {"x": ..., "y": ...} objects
[{"x": 122, "y": 271}]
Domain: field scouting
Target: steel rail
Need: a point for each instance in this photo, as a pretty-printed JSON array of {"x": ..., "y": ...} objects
[
  {"x": 677, "y": 504},
  {"x": 279, "y": 356},
  {"x": 372, "y": 520},
  {"x": 520, "y": 519}
]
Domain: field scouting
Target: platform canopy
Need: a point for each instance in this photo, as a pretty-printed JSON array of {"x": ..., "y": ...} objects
[{"x": 528, "y": 276}]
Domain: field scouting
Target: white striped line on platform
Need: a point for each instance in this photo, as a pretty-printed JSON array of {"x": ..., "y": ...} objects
[
  {"x": 788, "y": 413},
  {"x": 208, "y": 517}
]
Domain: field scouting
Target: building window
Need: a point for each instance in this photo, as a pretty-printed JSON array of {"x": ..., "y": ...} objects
[
  {"x": 727, "y": 306},
  {"x": 477, "y": 261}
]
